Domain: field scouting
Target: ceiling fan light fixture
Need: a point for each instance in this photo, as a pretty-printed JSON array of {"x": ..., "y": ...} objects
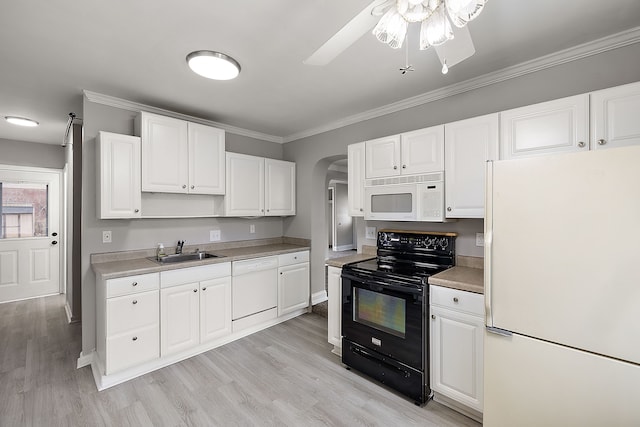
[
  {"x": 21, "y": 121},
  {"x": 391, "y": 29},
  {"x": 213, "y": 65},
  {"x": 416, "y": 11},
  {"x": 463, "y": 11},
  {"x": 436, "y": 30}
]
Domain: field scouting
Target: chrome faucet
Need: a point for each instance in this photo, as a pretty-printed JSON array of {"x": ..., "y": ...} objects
[{"x": 179, "y": 246}]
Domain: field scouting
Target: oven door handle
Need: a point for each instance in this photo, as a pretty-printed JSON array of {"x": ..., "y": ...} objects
[{"x": 380, "y": 285}]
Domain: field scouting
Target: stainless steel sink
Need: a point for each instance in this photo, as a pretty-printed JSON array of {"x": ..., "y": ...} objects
[{"x": 185, "y": 257}]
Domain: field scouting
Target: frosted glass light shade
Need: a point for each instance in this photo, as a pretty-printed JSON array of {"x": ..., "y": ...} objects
[
  {"x": 391, "y": 29},
  {"x": 21, "y": 121},
  {"x": 436, "y": 30},
  {"x": 463, "y": 11},
  {"x": 417, "y": 11},
  {"x": 213, "y": 65}
]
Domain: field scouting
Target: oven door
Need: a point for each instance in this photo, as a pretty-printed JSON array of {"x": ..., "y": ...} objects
[{"x": 385, "y": 316}]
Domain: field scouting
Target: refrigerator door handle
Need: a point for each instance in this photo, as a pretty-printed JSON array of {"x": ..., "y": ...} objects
[
  {"x": 498, "y": 331},
  {"x": 488, "y": 242}
]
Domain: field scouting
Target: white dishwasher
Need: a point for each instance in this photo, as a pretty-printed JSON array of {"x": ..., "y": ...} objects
[{"x": 254, "y": 286}]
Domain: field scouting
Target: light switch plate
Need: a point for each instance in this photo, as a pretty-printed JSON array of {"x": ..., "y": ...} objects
[
  {"x": 479, "y": 239},
  {"x": 106, "y": 236},
  {"x": 252, "y": 228},
  {"x": 214, "y": 235},
  {"x": 370, "y": 232}
]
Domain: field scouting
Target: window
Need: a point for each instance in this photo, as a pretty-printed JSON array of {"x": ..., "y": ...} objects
[{"x": 24, "y": 210}]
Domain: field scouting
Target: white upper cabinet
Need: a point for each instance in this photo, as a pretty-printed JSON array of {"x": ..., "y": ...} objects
[
  {"x": 355, "y": 177},
  {"x": 382, "y": 157},
  {"x": 206, "y": 159},
  {"x": 420, "y": 151},
  {"x": 179, "y": 156},
  {"x": 280, "y": 187},
  {"x": 615, "y": 117},
  {"x": 118, "y": 163},
  {"x": 550, "y": 127},
  {"x": 468, "y": 145},
  {"x": 259, "y": 187},
  {"x": 245, "y": 185}
]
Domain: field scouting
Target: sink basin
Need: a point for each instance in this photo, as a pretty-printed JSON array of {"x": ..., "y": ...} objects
[{"x": 184, "y": 257}]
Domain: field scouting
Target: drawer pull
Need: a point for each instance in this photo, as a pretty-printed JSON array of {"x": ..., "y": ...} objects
[
  {"x": 135, "y": 301},
  {"x": 204, "y": 289},
  {"x": 455, "y": 299},
  {"x": 134, "y": 284},
  {"x": 134, "y": 339},
  {"x": 195, "y": 290}
]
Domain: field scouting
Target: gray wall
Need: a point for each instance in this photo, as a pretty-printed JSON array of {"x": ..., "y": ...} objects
[
  {"x": 22, "y": 153},
  {"x": 146, "y": 233},
  {"x": 314, "y": 154}
]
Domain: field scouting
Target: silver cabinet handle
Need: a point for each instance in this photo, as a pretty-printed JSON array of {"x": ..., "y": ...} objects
[
  {"x": 184, "y": 186},
  {"x": 395, "y": 167},
  {"x": 134, "y": 339},
  {"x": 361, "y": 209},
  {"x": 455, "y": 299},
  {"x": 448, "y": 208},
  {"x": 193, "y": 186},
  {"x": 433, "y": 316},
  {"x": 581, "y": 144},
  {"x": 135, "y": 301},
  {"x": 136, "y": 210},
  {"x": 204, "y": 289},
  {"x": 404, "y": 166},
  {"x": 601, "y": 142},
  {"x": 195, "y": 290},
  {"x": 134, "y": 284}
]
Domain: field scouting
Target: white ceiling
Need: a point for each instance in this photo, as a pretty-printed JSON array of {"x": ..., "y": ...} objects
[{"x": 51, "y": 50}]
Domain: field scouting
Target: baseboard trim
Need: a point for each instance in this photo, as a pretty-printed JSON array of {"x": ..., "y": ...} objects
[
  {"x": 84, "y": 360},
  {"x": 67, "y": 310},
  {"x": 318, "y": 297}
]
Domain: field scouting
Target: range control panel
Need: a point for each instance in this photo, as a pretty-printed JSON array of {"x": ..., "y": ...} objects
[{"x": 410, "y": 241}]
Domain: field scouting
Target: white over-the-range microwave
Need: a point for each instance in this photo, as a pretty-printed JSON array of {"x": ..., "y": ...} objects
[{"x": 405, "y": 198}]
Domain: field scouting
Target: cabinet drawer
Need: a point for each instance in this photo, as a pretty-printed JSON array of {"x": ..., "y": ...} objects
[
  {"x": 455, "y": 299},
  {"x": 132, "y": 284},
  {"x": 255, "y": 264},
  {"x": 293, "y": 258},
  {"x": 194, "y": 274},
  {"x": 132, "y": 348},
  {"x": 130, "y": 312}
]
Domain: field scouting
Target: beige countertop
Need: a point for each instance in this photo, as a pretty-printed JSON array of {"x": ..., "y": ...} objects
[
  {"x": 368, "y": 252},
  {"x": 142, "y": 265},
  {"x": 460, "y": 277}
]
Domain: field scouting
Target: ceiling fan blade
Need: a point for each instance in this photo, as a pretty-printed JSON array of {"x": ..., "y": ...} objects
[
  {"x": 347, "y": 35},
  {"x": 457, "y": 49}
]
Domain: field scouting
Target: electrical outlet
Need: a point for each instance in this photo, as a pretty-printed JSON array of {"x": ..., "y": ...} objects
[
  {"x": 106, "y": 237},
  {"x": 252, "y": 228},
  {"x": 214, "y": 235},
  {"x": 479, "y": 239},
  {"x": 370, "y": 233}
]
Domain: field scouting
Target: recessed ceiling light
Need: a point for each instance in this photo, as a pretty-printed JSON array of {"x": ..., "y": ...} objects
[
  {"x": 21, "y": 121},
  {"x": 213, "y": 65}
]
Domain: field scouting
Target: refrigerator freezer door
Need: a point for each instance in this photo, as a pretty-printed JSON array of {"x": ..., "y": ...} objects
[
  {"x": 529, "y": 382},
  {"x": 563, "y": 234}
]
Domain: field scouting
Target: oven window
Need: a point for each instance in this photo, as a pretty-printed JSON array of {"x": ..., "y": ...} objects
[
  {"x": 383, "y": 312},
  {"x": 399, "y": 202}
]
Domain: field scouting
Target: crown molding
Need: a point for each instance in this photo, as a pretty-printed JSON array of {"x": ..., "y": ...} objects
[
  {"x": 575, "y": 53},
  {"x": 124, "y": 104}
]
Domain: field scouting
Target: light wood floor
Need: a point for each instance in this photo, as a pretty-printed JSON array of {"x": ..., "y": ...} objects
[{"x": 282, "y": 376}]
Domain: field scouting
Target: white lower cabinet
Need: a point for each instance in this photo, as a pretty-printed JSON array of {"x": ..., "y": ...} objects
[
  {"x": 293, "y": 282},
  {"x": 456, "y": 345},
  {"x": 334, "y": 326},
  {"x": 189, "y": 315}
]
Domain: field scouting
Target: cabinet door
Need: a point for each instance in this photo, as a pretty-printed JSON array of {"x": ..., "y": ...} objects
[
  {"x": 206, "y": 159},
  {"x": 293, "y": 288},
  {"x": 215, "y": 309},
  {"x": 614, "y": 117},
  {"x": 334, "y": 289},
  {"x": 457, "y": 356},
  {"x": 355, "y": 177},
  {"x": 280, "y": 188},
  {"x": 423, "y": 150},
  {"x": 165, "y": 154},
  {"x": 550, "y": 127},
  {"x": 245, "y": 185},
  {"x": 382, "y": 157},
  {"x": 118, "y": 166},
  {"x": 468, "y": 145},
  {"x": 179, "y": 318}
]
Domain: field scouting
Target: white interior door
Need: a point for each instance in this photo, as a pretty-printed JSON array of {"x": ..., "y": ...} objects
[{"x": 29, "y": 233}]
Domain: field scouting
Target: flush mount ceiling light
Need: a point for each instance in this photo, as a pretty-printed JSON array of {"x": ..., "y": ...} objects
[
  {"x": 213, "y": 65},
  {"x": 435, "y": 17},
  {"x": 21, "y": 121}
]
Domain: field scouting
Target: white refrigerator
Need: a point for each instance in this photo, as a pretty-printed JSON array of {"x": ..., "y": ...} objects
[{"x": 562, "y": 290}]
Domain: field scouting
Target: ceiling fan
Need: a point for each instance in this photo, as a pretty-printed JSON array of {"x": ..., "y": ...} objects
[{"x": 390, "y": 19}]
